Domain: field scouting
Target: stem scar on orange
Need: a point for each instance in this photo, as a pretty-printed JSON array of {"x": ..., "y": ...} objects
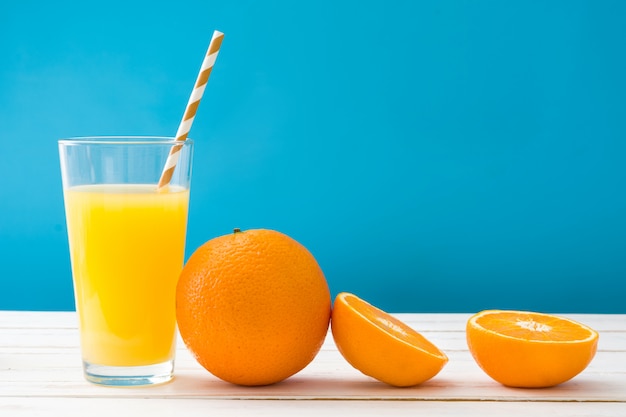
[
  {"x": 381, "y": 346},
  {"x": 528, "y": 349},
  {"x": 253, "y": 307}
]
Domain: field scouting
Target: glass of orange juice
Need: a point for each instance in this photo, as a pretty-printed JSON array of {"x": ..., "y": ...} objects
[{"x": 127, "y": 242}]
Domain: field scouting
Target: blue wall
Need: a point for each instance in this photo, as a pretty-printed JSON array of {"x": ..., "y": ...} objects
[{"x": 433, "y": 155}]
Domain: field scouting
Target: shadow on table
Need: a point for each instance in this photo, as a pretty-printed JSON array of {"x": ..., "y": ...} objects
[{"x": 594, "y": 387}]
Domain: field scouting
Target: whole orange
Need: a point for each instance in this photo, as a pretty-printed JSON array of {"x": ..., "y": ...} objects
[{"x": 253, "y": 307}]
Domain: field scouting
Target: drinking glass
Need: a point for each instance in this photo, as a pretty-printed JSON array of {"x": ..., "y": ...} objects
[{"x": 126, "y": 240}]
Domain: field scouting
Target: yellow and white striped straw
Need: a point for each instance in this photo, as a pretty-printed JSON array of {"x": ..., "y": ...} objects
[{"x": 192, "y": 108}]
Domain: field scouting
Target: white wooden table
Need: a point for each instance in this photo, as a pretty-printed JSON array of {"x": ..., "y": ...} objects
[{"x": 40, "y": 375}]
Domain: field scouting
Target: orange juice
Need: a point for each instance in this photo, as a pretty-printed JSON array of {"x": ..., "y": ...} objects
[{"x": 127, "y": 250}]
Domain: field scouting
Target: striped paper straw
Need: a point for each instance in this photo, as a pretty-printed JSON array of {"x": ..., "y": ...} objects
[{"x": 192, "y": 108}]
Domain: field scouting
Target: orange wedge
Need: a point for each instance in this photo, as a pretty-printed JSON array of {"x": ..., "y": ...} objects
[
  {"x": 528, "y": 349},
  {"x": 381, "y": 346}
]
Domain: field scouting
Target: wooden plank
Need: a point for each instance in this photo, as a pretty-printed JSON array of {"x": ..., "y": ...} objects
[
  {"x": 420, "y": 321},
  {"x": 37, "y": 319},
  {"x": 327, "y": 380},
  {"x": 326, "y": 361},
  {"x": 448, "y": 341},
  {"x": 187, "y": 385},
  {"x": 157, "y": 407}
]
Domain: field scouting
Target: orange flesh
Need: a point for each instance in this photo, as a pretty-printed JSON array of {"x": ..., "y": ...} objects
[
  {"x": 535, "y": 327},
  {"x": 391, "y": 325}
]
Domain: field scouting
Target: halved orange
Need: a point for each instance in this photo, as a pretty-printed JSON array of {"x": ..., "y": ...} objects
[
  {"x": 529, "y": 349},
  {"x": 381, "y": 346}
]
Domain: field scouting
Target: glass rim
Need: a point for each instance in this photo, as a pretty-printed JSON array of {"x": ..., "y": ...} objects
[{"x": 123, "y": 140}]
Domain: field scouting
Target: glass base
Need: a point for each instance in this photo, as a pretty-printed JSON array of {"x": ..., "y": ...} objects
[{"x": 129, "y": 376}]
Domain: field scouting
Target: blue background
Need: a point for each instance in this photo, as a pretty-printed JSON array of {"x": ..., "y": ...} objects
[{"x": 433, "y": 155}]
